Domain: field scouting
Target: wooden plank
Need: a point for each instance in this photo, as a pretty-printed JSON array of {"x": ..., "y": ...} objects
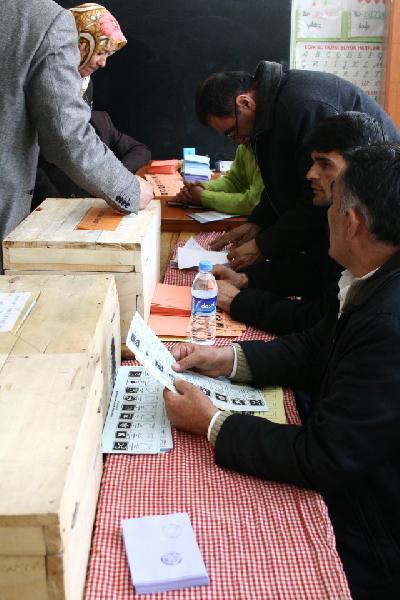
[
  {"x": 130, "y": 292},
  {"x": 392, "y": 72},
  {"x": 22, "y": 540},
  {"x": 23, "y": 578}
]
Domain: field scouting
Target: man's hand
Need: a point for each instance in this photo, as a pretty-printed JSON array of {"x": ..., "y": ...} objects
[
  {"x": 146, "y": 192},
  {"x": 190, "y": 193},
  {"x": 207, "y": 360},
  {"x": 190, "y": 410},
  {"x": 247, "y": 254},
  {"x": 226, "y": 293},
  {"x": 237, "y": 236},
  {"x": 222, "y": 273}
]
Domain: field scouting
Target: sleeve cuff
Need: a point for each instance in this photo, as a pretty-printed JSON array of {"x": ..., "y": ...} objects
[
  {"x": 242, "y": 372},
  {"x": 216, "y": 423}
]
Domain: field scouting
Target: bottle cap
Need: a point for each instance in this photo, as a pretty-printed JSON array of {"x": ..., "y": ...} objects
[{"x": 205, "y": 265}]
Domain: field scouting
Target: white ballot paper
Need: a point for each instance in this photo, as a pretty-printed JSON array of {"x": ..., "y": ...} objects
[
  {"x": 136, "y": 420},
  {"x": 157, "y": 359},
  {"x": 193, "y": 244},
  {"x": 208, "y": 216},
  {"x": 188, "y": 258},
  {"x": 163, "y": 553},
  {"x": 15, "y": 307}
]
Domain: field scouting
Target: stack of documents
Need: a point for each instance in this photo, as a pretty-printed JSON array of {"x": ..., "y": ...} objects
[
  {"x": 163, "y": 553},
  {"x": 164, "y": 167},
  {"x": 170, "y": 314},
  {"x": 196, "y": 168}
]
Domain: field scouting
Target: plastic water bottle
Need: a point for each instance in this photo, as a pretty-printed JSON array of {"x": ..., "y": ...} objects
[{"x": 204, "y": 305}]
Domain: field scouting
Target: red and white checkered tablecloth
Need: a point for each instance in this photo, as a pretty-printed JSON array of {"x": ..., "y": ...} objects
[{"x": 260, "y": 540}]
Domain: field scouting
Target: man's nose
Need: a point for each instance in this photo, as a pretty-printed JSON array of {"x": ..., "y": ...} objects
[
  {"x": 102, "y": 61},
  {"x": 312, "y": 173}
]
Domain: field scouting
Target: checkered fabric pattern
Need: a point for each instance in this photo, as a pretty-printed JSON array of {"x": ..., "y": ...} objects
[{"x": 260, "y": 540}]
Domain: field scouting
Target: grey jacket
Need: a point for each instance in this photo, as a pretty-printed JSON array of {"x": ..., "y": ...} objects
[{"x": 40, "y": 104}]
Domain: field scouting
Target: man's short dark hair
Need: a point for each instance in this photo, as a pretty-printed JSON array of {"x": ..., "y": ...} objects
[
  {"x": 371, "y": 184},
  {"x": 346, "y": 131},
  {"x": 217, "y": 94}
]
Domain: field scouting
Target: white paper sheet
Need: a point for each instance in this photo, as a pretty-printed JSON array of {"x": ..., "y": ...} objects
[
  {"x": 320, "y": 18},
  {"x": 193, "y": 244},
  {"x": 157, "y": 359},
  {"x": 367, "y": 19},
  {"x": 358, "y": 62},
  {"x": 209, "y": 216},
  {"x": 136, "y": 422},
  {"x": 163, "y": 553},
  {"x": 188, "y": 258},
  {"x": 11, "y": 306}
]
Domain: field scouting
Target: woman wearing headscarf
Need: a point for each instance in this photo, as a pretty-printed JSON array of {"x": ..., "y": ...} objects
[{"x": 99, "y": 36}]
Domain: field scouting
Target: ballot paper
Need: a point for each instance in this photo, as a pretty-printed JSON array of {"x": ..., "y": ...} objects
[
  {"x": 157, "y": 359},
  {"x": 15, "y": 307},
  {"x": 136, "y": 421},
  {"x": 208, "y": 216},
  {"x": 188, "y": 258},
  {"x": 193, "y": 244},
  {"x": 163, "y": 553}
]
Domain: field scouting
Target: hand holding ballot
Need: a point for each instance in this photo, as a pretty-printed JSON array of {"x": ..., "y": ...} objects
[
  {"x": 190, "y": 410},
  {"x": 213, "y": 362}
]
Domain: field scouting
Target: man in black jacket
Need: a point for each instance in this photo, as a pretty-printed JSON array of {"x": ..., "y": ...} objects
[
  {"x": 277, "y": 109},
  {"x": 348, "y": 447},
  {"x": 247, "y": 296}
]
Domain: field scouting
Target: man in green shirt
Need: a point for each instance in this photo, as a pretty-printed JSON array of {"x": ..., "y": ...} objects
[{"x": 237, "y": 192}]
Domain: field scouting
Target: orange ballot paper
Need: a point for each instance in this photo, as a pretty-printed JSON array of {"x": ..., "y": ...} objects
[
  {"x": 170, "y": 313},
  {"x": 102, "y": 219}
]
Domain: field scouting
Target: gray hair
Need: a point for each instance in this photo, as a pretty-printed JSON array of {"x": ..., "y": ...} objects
[{"x": 350, "y": 200}]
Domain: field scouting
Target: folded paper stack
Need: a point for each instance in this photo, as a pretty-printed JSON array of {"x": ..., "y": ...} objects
[
  {"x": 163, "y": 553},
  {"x": 196, "y": 168}
]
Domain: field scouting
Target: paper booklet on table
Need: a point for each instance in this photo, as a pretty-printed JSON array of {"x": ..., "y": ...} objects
[
  {"x": 163, "y": 553},
  {"x": 157, "y": 359}
]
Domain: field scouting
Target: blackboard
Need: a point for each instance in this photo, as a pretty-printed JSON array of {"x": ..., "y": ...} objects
[{"x": 148, "y": 87}]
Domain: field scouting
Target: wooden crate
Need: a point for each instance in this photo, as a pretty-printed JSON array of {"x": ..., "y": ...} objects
[
  {"x": 56, "y": 377},
  {"x": 48, "y": 240}
]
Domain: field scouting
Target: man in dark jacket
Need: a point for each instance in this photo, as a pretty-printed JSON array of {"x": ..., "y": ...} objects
[
  {"x": 51, "y": 182},
  {"x": 277, "y": 109},
  {"x": 247, "y": 296},
  {"x": 348, "y": 447}
]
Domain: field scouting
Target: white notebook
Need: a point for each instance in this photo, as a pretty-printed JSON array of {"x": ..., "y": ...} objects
[{"x": 163, "y": 553}]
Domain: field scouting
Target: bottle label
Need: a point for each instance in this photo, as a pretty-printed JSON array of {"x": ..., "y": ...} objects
[{"x": 204, "y": 306}]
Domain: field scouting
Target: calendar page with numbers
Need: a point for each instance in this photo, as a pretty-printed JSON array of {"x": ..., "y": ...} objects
[{"x": 343, "y": 37}]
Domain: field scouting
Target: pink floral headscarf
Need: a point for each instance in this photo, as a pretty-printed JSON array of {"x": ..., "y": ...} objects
[{"x": 98, "y": 31}]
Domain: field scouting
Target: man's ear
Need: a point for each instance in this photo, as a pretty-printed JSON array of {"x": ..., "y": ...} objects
[
  {"x": 245, "y": 102},
  {"x": 355, "y": 223}
]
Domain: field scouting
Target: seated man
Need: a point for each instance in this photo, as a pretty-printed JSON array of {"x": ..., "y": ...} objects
[
  {"x": 348, "y": 447},
  {"x": 237, "y": 192},
  {"x": 247, "y": 296}
]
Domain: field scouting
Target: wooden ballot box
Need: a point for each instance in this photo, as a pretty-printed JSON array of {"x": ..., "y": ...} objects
[
  {"x": 57, "y": 371},
  {"x": 49, "y": 240}
]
